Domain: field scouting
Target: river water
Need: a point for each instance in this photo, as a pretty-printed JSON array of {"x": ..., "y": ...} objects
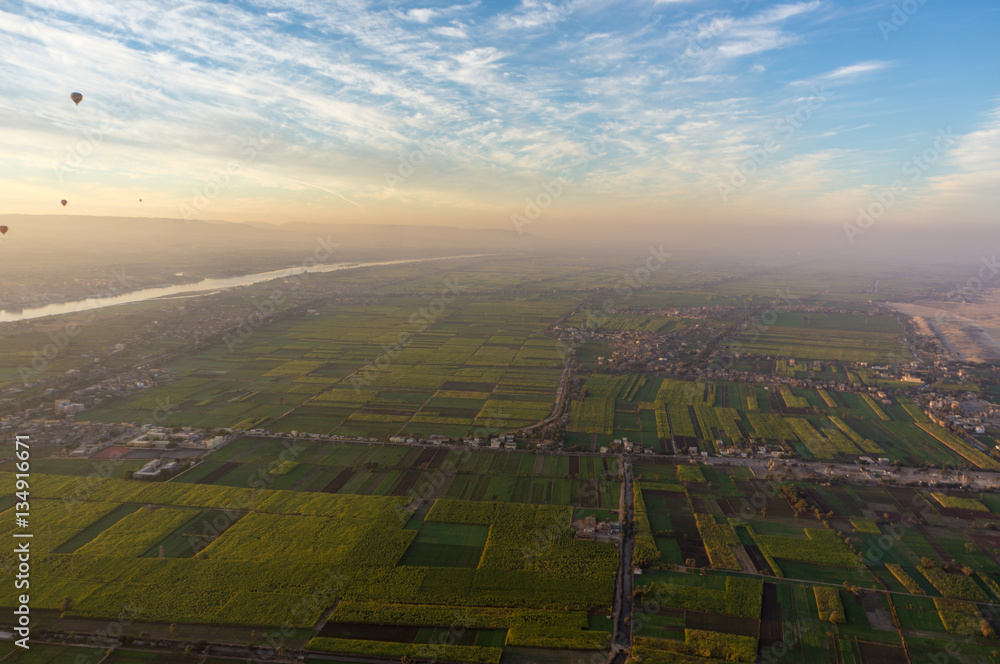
[{"x": 142, "y": 295}]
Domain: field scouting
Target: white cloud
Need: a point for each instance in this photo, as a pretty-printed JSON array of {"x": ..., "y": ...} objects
[
  {"x": 532, "y": 14},
  {"x": 421, "y": 15},
  {"x": 858, "y": 69},
  {"x": 973, "y": 160},
  {"x": 451, "y": 31},
  {"x": 357, "y": 88},
  {"x": 784, "y": 12}
]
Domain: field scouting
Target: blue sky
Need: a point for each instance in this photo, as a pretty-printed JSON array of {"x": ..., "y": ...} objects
[{"x": 677, "y": 111}]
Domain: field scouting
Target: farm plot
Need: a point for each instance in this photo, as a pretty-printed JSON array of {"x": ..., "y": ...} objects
[
  {"x": 446, "y": 545},
  {"x": 93, "y": 530},
  {"x": 240, "y": 577},
  {"x": 399, "y": 470},
  {"x": 844, "y": 337},
  {"x": 324, "y": 375},
  {"x": 194, "y": 535}
]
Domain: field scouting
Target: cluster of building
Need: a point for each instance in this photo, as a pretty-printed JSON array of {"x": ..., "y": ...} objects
[
  {"x": 56, "y": 434},
  {"x": 627, "y": 446},
  {"x": 589, "y": 528},
  {"x": 65, "y": 399},
  {"x": 972, "y": 415},
  {"x": 150, "y": 437}
]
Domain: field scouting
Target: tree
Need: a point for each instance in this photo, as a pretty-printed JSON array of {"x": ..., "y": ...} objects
[
  {"x": 927, "y": 563},
  {"x": 66, "y": 605},
  {"x": 966, "y": 570},
  {"x": 690, "y": 563},
  {"x": 173, "y": 629}
]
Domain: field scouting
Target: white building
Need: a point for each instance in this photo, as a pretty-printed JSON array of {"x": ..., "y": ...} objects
[{"x": 156, "y": 469}]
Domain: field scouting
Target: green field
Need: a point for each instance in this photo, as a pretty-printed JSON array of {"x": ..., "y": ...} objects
[
  {"x": 352, "y": 547},
  {"x": 827, "y": 425},
  {"x": 482, "y": 366},
  {"x": 395, "y": 470},
  {"x": 371, "y": 548}
]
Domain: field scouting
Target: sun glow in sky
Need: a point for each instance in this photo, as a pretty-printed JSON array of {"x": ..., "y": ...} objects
[{"x": 655, "y": 112}]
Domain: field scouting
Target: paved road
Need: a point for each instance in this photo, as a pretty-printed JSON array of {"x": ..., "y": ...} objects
[
  {"x": 977, "y": 479},
  {"x": 623, "y": 584}
]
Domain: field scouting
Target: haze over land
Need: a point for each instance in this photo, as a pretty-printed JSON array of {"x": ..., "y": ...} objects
[{"x": 514, "y": 332}]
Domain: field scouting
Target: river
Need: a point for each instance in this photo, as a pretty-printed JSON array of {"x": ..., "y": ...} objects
[{"x": 205, "y": 285}]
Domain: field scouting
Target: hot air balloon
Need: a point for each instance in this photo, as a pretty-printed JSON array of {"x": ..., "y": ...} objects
[
  {"x": 76, "y": 97},
  {"x": 64, "y": 201},
  {"x": 3, "y": 230}
]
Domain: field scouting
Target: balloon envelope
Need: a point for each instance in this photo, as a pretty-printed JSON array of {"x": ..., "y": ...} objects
[
  {"x": 63, "y": 201},
  {"x": 3, "y": 230},
  {"x": 76, "y": 97}
]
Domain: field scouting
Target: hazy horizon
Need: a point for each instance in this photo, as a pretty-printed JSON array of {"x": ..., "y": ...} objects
[{"x": 551, "y": 118}]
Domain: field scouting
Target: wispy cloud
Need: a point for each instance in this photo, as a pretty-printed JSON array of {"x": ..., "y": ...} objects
[
  {"x": 513, "y": 95},
  {"x": 851, "y": 71}
]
